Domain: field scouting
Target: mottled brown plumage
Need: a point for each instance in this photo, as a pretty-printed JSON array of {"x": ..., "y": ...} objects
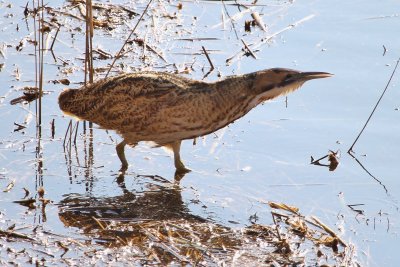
[{"x": 166, "y": 108}]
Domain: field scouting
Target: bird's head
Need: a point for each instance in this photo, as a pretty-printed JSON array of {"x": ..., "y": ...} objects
[{"x": 272, "y": 83}]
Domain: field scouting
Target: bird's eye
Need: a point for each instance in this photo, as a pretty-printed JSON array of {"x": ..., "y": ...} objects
[{"x": 288, "y": 76}]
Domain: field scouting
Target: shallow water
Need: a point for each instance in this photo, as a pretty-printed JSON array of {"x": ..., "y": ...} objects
[{"x": 262, "y": 157}]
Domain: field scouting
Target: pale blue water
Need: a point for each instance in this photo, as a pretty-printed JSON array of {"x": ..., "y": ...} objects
[{"x": 264, "y": 156}]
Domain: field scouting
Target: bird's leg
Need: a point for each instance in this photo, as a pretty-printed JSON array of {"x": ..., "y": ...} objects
[
  {"x": 180, "y": 167},
  {"x": 121, "y": 155}
]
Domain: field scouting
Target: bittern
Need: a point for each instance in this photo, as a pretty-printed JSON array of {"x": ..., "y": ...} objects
[{"x": 166, "y": 108}]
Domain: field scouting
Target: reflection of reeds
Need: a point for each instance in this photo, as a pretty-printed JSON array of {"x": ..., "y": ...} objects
[{"x": 89, "y": 77}]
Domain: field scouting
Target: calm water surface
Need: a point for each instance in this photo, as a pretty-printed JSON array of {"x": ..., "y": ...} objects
[{"x": 263, "y": 157}]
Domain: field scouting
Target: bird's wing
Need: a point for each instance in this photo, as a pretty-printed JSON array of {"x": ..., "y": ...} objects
[{"x": 128, "y": 101}]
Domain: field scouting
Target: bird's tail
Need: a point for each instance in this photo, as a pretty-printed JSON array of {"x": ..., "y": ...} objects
[{"x": 67, "y": 102}]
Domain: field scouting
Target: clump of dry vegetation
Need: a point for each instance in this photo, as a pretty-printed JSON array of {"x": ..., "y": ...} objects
[{"x": 117, "y": 232}]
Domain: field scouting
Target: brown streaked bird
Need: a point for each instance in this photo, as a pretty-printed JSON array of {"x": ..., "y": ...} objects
[{"x": 166, "y": 108}]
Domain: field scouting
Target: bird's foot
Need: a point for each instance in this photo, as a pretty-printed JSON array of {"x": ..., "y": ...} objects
[
  {"x": 179, "y": 174},
  {"x": 123, "y": 168},
  {"x": 121, "y": 174},
  {"x": 121, "y": 155},
  {"x": 180, "y": 168}
]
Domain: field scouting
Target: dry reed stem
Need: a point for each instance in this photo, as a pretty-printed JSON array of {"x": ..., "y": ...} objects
[
  {"x": 350, "y": 151},
  {"x": 129, "y": 37},
  {"x": 268, "y": 38},
  {"x": 208, "y": 58},
  {"x": 248, "y": 49}
]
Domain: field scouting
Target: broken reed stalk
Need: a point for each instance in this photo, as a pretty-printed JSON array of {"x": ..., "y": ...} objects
[
  {"x": 231, "y": 20},
  {"x": 248, "y": 49},
  {"x": 328, "y": 230},
  {"x": 276, "y": 227},
  {"x": 55, "y": 37},
  {"x": 268, "y": 38},
  {"x": 129, "y": 37},
  {"x": 350, "y": 151},
  {"x": 99, "y": 223},
  {"x": 208, "y": 58},
  {"x": 53, "y": 129}
]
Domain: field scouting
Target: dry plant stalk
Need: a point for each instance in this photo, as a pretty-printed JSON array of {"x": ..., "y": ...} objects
[{"x": 350, "y": 151}]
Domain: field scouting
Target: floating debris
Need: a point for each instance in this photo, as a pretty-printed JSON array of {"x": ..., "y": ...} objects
[
  {"x": 19, "y": 127},
  {"x": 30, "y": 202},
  {"x": 259, "y": 21},
  {"x": 29, "y": 94},
  {"x": 61, "y": 81},
  {"x": 10, "y": 186},
  {"x": 333, "y": 158}
]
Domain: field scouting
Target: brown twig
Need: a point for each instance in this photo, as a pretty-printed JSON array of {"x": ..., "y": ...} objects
[
  {"x": 276, "y": 227},
  {"x": 54, "y": 39},
  {"x": 15, "y": 235},
  {"x": 384, "y": 50},
  {"x": 351, "y": 206},
  {"x": 333, "y": 158},
  {"x": 53, "y": 129},
  {"x": 208, "y": 58},
  {"x": 350, "y": 151},
  {"x": 328, "y": 230},
  {"x": 248, "y": 49},
  {"x": 99, "y": 223},
  {"x": 316, "y": 161}
]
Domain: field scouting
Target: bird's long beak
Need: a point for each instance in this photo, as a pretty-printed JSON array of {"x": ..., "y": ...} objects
[{"x": 305, "y": 76}]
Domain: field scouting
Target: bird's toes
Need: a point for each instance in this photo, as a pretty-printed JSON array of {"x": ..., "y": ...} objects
[
  {"x": 123, "y": 168},
  {"x": 182, "y": 169}
]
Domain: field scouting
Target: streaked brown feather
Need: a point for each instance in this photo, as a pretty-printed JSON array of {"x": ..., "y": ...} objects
[{"x": 163, "y": 107}]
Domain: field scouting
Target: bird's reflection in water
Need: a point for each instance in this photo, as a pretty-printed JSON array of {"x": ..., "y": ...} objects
[
  {"x": 161, "y": 201},
  {"x": 145, "y": 220},
  {"x": 154, "y": 226},
  {"x": 178, "y": 176}
]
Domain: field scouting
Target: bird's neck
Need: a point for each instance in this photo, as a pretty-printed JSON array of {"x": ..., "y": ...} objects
[
  {"x": 233, "y": 98},
  {"x": 237, "y": 86}
]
